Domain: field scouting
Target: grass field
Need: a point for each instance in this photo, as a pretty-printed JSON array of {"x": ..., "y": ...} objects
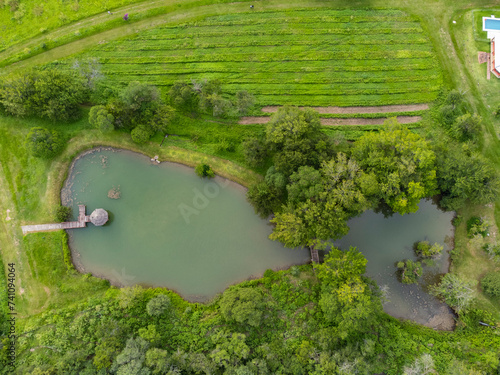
[{"x": 300, "y": 57}]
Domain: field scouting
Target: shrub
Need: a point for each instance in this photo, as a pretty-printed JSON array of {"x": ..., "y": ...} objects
[
  {"x": 409, "y": 271},
  {"x": 476, "y": 225},
  {"x": 425, "y": 250},
  {"x": 493, "y": 251},
  {"x": 43, "y": 143},
  {"x": 490, "y": 284},
  {"x": 204, "y": 170},
  {"x": 63, "y": 213},
  {"x": 141, "y": 134},
  {"x": 101, "y": 119},
  {"x": 158, "y": 305},
  {"x": 458, "y": 293},
  {"x": 254, "y": 151},
  {"x": 467, "y": 127}
]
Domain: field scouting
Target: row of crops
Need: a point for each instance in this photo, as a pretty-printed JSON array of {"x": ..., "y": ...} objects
[{"x": 302, "y": 57}]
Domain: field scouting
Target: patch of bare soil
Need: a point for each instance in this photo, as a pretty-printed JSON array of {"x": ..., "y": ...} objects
[
  {"x": 337, "y": 121},
  {"x": 444, "y": 321},
  {"x": 367, "y": 121},
  {"x": 375, "y": 109}
]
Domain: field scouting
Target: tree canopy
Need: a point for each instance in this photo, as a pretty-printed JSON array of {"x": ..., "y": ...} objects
[{"x": 402, "y": 163}]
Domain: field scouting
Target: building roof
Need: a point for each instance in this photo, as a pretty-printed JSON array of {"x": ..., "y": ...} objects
[{"x": 99, "y": 217}]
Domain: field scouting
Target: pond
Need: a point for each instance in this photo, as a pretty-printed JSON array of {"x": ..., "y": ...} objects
[
  {"x": 385, "y": 241},
  {"x": 168, "y": 227}
]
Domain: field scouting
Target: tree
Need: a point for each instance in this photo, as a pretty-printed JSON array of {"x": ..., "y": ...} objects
[
  {"x": 158, "y": 305},
  {"x": 295, "y": 138},
  {"x": 425, "y": 250},
  {"x": 43, "y": 143},
  {"x": 457, "y": 292},
  {"x": 467, "y": 127},
  {"x": 141, "y": 134},
  {"x": 403, "y": 164},
  {"x": 347, "y": 299},
  {"x": 423, "y": 365},
  {"x": 142, "y": 101},
  {"x": 162, "y": 117},
  {"x": 330, "y": 203},
  {"x": 265, "y": 199},
  {"x": 306, "y": 183},
  {"x": 63, "y": 213},
  {"x": 100, "y": 118},
  {"x": 254, "y": 151},
  {"x": 183, "y": 96},
  {"x": 50, "y": 93},
  {"x": 131, "y": 360},
  {"x": 465, "y": 176},
  {"x": 242, "y": 305}
]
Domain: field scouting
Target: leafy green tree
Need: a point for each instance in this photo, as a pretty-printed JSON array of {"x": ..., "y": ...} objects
[
  {"x": 50, "y": 93},
  {"x": 158, "y": 305},
  {"x": 106, "y": 351},
  {"x": 141, "y": 134},
  {"x": 230, "y": 349},
  {"x": 347, "y": 300},
  {"x": 100, "y": 118},
  {"x": 403, "y": 164},
  {"x": 296, "y": 139},
  {"x": 150, "y": 334},
  {"x": 43, "y": 143},
  {"x": 242, "y": 305},
  {"x": 463, "y": 176},
  {"x": 183, "y": 96},
  {"x": 457, "y": 292},
  {"x": 141, "y": 101},
  {"x": 131, "y": 360},
  {"x": 306, "y": 183},
  {"x": 467, "y": 127},
  {"x": 254, "y": 151},
  {"x": 265, "y": 198},
  {"x": 325, "y": 215},
  {"x": 163, "y": 116}
]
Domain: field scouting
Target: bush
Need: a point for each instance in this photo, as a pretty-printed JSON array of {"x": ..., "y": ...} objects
[
  {"x": 490, "y": 284},
  {"x": 458, "y": 293},
  {"x": 476, "y": 225},
  {"x": 467, "y": 127},
  {"x": 425, "y": 250},
  {"x": 141, "y": 134},
  {"x": 409, "y": 271},
  {"x": 63, "y": 213},
  {"x": 254, "y": 151},
  {"x": 158, "y": 305},
  {"x": 101, "y": 119},
  {"x": 43, "y": 143},
  {"x": 204, "y": 170}
]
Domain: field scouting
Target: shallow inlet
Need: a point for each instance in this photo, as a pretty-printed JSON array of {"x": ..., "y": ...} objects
[
  {"x": 385, "y": 241},
  {"x": 168, "y": 227}
]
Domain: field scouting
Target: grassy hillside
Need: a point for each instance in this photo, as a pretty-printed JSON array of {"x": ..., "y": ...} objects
[{"x": 300, "y": 57}]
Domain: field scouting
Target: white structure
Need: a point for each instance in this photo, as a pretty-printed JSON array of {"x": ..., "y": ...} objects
[{"x": 492, "y": 27}]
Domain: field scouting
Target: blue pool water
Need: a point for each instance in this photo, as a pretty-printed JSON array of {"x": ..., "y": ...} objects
[{"x": 491, "y": 24}]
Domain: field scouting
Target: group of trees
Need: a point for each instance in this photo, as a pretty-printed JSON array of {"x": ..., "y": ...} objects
[
  {"x": 206, "y": 96},
  {"x": 313, "y": 189},
  {"x": 138, "y": 108},
  {"x": 49, "y": 93},
  {"x": 300, "y": 321}
]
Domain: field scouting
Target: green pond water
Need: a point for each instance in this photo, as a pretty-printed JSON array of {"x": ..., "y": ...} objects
[
  {"x": 385, "y": 241},
  {"x": 169, "y": 227}
]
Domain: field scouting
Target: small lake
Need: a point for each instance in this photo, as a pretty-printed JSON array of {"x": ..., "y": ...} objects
[
  {"x": 385, "y": 241},
  {"x": 168, "y": 227}
]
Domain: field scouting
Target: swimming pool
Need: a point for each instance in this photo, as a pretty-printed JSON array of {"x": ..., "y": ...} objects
[{"x": 491, "y": 24}]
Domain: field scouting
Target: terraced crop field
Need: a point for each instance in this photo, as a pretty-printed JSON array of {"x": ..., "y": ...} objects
[{"x": 300, "y": 57}]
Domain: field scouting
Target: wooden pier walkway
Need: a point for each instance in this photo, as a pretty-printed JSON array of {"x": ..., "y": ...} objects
[
  {"x": 81, "y": 223},
  {"x": 314, "y": 255}
]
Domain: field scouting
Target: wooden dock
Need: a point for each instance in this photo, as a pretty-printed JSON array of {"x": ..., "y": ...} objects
[
  {"x": 314, "y": 255},
  {"x": 81, "y": 223}
]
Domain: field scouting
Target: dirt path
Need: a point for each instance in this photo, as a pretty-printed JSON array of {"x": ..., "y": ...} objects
[
  {"x": 337, "y": 121},
  {"x": 348, "y": 110}
]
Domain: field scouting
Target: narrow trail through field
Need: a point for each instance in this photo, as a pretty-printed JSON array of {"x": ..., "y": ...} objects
[
  {"x": 349, "y": 110},
  {"x": 336, "y": 121}
]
